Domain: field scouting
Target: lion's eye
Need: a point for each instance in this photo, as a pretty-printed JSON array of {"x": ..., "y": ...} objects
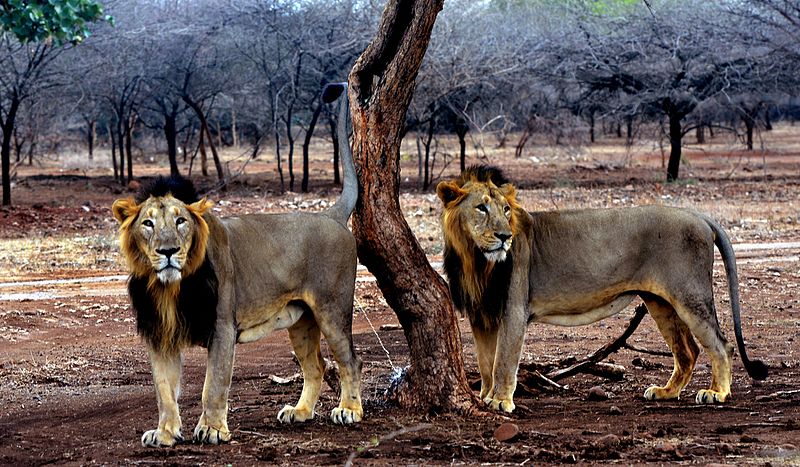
[
  {"x": 482, "y": 208},
  {"x": 506, "y": 209},
  {"x": 147, "y": 223},
  {"x": 179, "y": 221}
]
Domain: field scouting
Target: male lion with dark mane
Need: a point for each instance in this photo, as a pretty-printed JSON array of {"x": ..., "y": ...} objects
[
  {"x": 197, "y": 279},
  {"x": 508, "y": 267}
]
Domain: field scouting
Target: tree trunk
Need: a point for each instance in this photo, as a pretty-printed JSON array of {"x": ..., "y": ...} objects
[
  {"x": 675, "y": 137},
  {"x": 461, "y": 132},
  {"x": 113, "y": 150},
  {"x": 335, "y": 139},
  {"x": 290, "y": 140},
  {"x": 171, "y": 134},
  {"x": 629, "y": 131},
  {"x": 426, "y": 182},
  {"x": 234, "y": 130},
  {"x": 749, "y": 124},
  {"x": 91, "y": 136},
  {"x": 381, "y": 86},
  {"x": 121, "y": 146},
  {"x": 700, "y": 133},
  {"x": 5, "y": 152},
  {"x": 278, "y": 158},
  {"x": 204, "y": 127},
  {"x": 306, "y": 143},
  {"x": 591, "y": 127},
  {"x": 128, "y": 143},
  {"x": 201, "y": 146}
]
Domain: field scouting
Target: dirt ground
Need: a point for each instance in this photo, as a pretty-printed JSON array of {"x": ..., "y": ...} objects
[{"x": 75, "y": 385}]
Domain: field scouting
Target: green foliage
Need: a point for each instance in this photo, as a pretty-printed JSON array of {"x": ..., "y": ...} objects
[{"x": 63, "y": 21}]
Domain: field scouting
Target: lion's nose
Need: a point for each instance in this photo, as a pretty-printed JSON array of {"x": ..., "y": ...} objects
[
  {"x": 168, "y": 252},
  {"x": 502, "y": 236}
]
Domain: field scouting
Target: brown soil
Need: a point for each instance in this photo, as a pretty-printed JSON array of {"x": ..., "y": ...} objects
[{"x": 75, "y": 385}]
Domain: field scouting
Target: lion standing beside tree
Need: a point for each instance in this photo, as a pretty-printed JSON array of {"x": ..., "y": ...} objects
[
  {"x": 508, "y": 267},
  {"x": 197, "y": 279}
]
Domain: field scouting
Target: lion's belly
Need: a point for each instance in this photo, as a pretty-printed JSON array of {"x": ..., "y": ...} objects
[
  {"x": 258, "y": 325},
  {"x": 577, "y": 313}
]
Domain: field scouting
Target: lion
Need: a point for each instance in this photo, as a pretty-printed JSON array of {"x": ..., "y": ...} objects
[
  {"x": 197, "y": 279},
  {"x": 507, "y": 267}
]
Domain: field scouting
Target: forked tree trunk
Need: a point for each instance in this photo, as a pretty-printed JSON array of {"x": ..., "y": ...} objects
[{"x": 381, "y": 86}]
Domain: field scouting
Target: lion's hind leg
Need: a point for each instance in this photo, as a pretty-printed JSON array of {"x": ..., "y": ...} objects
[
  {"x": 337, "y": 329},
  {"x": 304, "y": 335},
  {"x": 680, "y": 341},
  {"x": 702, "y": 320}
]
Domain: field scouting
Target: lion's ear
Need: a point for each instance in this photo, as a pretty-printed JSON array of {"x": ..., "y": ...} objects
[
  {"x": 449, "y": 192},
  {"x": 200, "y": 207},
  {"x": 124, "y": 208},
  {"x": 508, "y": 191}
]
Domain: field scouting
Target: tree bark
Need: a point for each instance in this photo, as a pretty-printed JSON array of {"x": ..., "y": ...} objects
[{"x": 381, "y": 86}]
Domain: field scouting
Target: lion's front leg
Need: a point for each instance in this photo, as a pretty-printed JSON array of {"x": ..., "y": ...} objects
[
  {"x": 485, "y": 347},
  {"x": 212, "y": 428},
  {"x": 166, "y": 378},
  {"x": 510, "y": 338}
]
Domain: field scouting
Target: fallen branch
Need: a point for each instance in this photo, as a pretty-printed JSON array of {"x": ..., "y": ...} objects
[
  {"x": 602, "y": 352},
  {"x": 385, "y": 438}
]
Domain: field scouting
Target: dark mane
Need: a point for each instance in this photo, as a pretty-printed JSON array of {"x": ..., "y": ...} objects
[
  {"x": 486, "y": 311},
  {"x": 482, "y": 173},
  {"x": 180, "y": 188},
  {"x": 196, "y": 309}
]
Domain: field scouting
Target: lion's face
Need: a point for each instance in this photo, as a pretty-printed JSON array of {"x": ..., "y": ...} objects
[
  {"x": 162, "y": 236},
  {"x": 482, "y": 212}
]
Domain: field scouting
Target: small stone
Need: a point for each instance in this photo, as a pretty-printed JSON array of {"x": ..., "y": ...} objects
[
  {"x": 609, "y": 440},
  {"x": 506, "y": 432},
  {"x": 614, "y": 410},
  {"x": 597, "y": 394},
  {"x": 666, "y": 448}
]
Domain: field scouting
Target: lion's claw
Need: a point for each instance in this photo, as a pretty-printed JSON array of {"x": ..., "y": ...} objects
[
  {"x": 289, "y": 414},
  {"x": 210, "y": 435},
  {"x": 160, "y": 439},
  {"x": 342, "y": 416},
  {"x": 505, "y": 405}
]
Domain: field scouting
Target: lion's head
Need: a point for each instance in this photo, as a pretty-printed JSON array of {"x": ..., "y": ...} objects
[
  {"x": 162, "y": 231},
  {"x": 479, "y": 212},
  {"x": 480, "y": 221}
]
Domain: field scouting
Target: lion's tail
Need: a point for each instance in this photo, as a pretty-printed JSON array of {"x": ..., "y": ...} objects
[
  {"x": 344, "y": 206},
  {"x": 755, "y": 368}
]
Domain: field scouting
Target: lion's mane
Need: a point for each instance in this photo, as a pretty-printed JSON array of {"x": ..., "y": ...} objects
[{"x": 478, "y": 287}]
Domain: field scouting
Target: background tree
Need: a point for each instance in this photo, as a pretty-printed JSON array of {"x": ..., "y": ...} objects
[{"x": 32, "y": 33}]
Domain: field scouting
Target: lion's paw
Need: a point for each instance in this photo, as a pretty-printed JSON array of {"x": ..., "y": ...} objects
[
  {"x": 289, "y": 414},
  {"x": 342, "y": 416},
  {"x": 506, "y": 405},
  {"x": 657, "y": 393},
  {"x": 160, "y": 439},
  {"x": 210, "y": 435},
  {"x": 707, "y": 396}
]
